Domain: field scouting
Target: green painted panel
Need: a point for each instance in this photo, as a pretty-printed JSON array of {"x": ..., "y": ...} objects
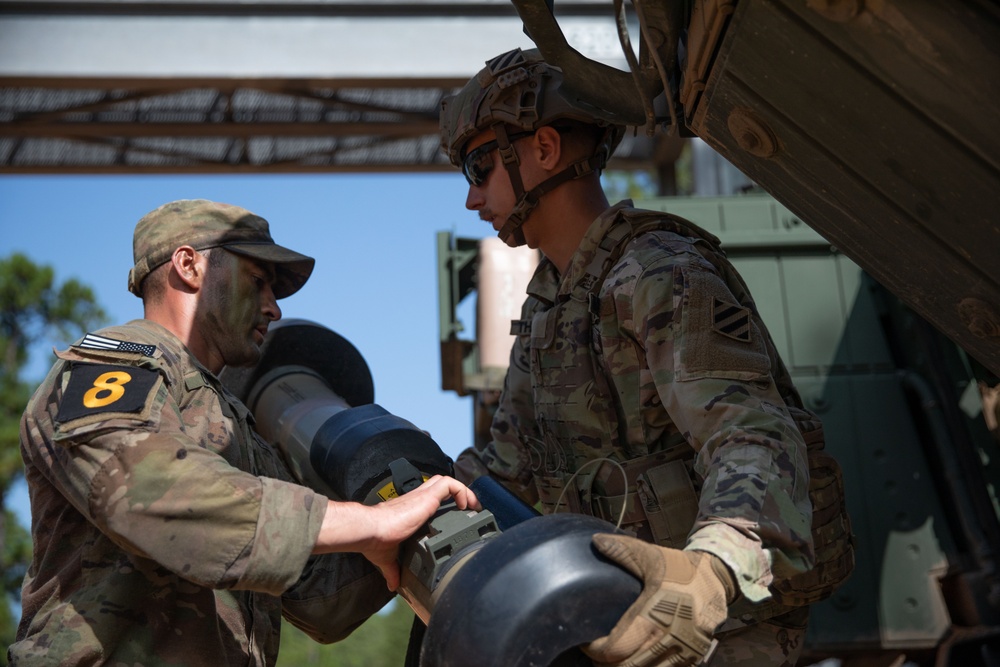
[
  {"x": 893, "y": 506},
  {"x": 763, "y": 276}
]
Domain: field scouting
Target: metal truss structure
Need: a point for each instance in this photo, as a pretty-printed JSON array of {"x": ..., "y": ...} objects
[{"x": 119, "y": 86}]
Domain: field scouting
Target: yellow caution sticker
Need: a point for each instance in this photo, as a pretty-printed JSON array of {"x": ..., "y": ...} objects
[{"x": 388, "y": 492}]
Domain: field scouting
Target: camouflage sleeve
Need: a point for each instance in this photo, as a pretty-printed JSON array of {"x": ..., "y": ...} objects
[
  {"x": 336, "y": 594},
  {"x": 507, "y": 456},
  {"x": 712, "y": 374},
  {"x": 157, "y": 493}
]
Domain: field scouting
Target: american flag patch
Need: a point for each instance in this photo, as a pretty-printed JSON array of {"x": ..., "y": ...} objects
[
  {"x": 731, "y": 320},
  {"x": 93, "y": 342}
]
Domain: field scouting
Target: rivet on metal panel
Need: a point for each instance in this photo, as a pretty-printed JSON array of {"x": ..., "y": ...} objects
[
  {"x": 840, "y": 11},
  {"x": 751, "y": 133},
  {"x": 817, "y": 403},
  {"x": 980, "y": 317},
  {"x": 843, "y": 600}
]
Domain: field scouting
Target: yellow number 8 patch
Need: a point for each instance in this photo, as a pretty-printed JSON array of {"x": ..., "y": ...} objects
[
  {"x": 108, "y": 384},
  {"x": 102, "y": 388}
]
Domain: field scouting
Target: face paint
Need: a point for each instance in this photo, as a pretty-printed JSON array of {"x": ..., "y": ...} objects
[{"x": 234, "y": 307}]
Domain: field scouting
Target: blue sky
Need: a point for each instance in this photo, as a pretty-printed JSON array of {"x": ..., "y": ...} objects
[{"x": 373, "y": 237}]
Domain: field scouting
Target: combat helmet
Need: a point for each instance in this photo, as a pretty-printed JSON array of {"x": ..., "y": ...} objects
[{"x": 518, "y": 92}]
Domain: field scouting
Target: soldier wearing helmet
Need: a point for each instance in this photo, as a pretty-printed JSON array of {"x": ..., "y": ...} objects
[
  {"x": 644, "y": 388},
  {"x": 514, "y": 97}
]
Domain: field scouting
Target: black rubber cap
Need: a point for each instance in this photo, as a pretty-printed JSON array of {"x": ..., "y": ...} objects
[
  {"x": 352, "y": 450},
  {"x": 303, "y": 343},
  {"x": 529, "y": 598}
]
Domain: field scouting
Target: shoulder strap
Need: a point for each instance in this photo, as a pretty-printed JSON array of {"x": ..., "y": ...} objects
[
  {"x": 609, "y": 250},
  {"x": 630, "y": 224},
  {"x": 643, "y": 220}
]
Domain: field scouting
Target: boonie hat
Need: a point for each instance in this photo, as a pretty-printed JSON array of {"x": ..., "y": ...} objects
[{"x": 204, "y": 224}]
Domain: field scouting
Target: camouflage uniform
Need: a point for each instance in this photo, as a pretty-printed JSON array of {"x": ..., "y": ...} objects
[
  {"x": 661, "y": 363},
  {"x": 166, "y": 532}
]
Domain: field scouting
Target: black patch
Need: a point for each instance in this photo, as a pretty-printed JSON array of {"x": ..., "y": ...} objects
[
  {"x": 103, "y": 388},
  {"x": 520, "y": 327},
  {"x": 731, "y": 320}
]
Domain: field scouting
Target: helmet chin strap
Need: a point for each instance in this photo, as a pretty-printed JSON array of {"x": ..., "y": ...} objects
[{"x": 511, "y": 232}]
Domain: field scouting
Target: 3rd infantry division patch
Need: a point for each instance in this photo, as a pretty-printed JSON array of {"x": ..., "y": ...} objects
[{"x": 731, "y": 320}]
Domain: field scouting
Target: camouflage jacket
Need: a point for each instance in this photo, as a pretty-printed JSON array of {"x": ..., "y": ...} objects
[
  {"x": 166, "y": 532},
  {"x": 666, "y": 368}
]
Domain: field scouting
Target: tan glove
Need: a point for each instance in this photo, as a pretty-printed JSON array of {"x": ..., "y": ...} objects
[{"x": 683, "y": 600}]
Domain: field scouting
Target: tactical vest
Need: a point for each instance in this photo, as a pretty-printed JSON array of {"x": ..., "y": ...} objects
[{"x": 653, "y": 495}]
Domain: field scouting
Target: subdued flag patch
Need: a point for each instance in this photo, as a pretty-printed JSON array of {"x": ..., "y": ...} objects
[
  {"x": 95, "y": 342},
  {"x": 731, "y": 320}
]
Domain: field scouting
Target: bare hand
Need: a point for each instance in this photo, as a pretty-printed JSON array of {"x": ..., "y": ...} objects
[{"x": 376, "y": 531}]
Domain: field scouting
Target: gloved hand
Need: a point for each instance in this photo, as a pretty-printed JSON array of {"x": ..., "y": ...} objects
[{"x": 683, "y": 600}]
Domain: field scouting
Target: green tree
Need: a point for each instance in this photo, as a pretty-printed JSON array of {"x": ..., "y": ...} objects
[
  {"x": 381, "y": 641},
  {"x": 33, "y": 308},
  {"x": 620, "y": 185}
]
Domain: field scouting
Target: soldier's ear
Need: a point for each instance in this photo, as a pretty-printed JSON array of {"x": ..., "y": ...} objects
[
  {"x": 547, "y": 144},
  {"x": 189, "y": 266}
]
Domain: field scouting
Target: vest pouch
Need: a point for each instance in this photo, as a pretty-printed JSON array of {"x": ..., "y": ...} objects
[
  {"x": 550, "y": 488},
  {"x": 660, "y": 502},
  {"x": 670, "y": 503},
  {"x": 571, "y": 403},
  {"x": 833, "y": 541}
]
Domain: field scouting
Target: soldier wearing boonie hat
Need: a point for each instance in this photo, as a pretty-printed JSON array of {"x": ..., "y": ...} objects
[
  {"x": 204, "y": 224},
  {"x": 166, "y": 530}
]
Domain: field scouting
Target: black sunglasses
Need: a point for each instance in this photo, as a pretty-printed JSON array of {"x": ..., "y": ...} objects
[{"x": 478, "y": 164}]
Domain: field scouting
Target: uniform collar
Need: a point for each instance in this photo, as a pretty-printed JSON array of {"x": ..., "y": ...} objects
[
  {"x": 174, "y": 352},
  {"x": 584, "y": 254},
  {"x": 547, "y": 285}
]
